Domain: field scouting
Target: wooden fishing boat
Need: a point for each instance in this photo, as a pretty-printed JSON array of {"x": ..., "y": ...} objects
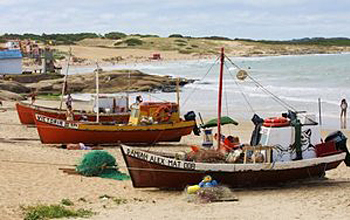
[
  {"x": 26, "y": 113},
  {"x": 154, "y": 169},
  {"x": 289, "y": 148},
  {"x": 149, "y": 123}
]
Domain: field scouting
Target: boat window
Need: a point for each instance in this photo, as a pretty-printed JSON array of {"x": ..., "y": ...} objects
[{"x": 263, "y": 139}]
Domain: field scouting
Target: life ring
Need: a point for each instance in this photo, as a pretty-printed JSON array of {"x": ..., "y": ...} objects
[
  {"x": 276, "y": 122},
  {"x": 163, "y": 113}
]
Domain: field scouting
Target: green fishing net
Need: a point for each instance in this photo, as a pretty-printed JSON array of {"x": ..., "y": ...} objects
[{"x": 100, "y": 163}]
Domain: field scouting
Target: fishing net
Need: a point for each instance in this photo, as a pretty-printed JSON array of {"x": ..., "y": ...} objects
[
  {"x": 206, "y": 156},
  {"x": 102, "y": 164},
  {"x": 212, "y": 194}
]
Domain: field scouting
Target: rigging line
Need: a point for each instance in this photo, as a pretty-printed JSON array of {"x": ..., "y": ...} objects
[
  {"x": 240, "y": 90},
  {"x": 235, "y": 65},
  {"x": 276, "y": 98},
  {"x": 196, "y": 85}
]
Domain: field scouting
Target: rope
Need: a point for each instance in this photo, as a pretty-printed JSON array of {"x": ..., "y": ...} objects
[
  {"x": 240, "y": 90},
  {"x": 196, "y": 85},
  {"x": 274, "y": 97}
]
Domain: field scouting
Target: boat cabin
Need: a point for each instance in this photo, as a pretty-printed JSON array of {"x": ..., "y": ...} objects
[
  {"x": 279, "y": 132},
  {"x": 147, "y": 113},
  {"x": 111, "y": 104}
]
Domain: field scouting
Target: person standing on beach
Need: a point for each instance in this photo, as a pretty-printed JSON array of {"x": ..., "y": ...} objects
[
  {"x": 69, "y": 100},
  {"x": 343, "y": 107},
  {"x": 32, "y": 96}
]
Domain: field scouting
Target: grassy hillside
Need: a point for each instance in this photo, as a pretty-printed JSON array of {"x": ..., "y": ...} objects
[{"x": 89, "y": 45}]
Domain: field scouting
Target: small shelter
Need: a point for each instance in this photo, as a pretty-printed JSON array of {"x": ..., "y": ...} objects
[{"x": 10, "y": 61}]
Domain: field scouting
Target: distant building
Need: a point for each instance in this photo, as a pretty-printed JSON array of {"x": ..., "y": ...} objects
[{"x": 10, "y": 62}]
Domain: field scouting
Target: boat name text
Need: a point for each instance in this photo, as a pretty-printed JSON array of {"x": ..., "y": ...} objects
[
  {"x": 56, "y": 122},
  {"x": 161, "y": 160}
]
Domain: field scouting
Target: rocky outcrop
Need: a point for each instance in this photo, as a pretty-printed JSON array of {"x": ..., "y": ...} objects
[
  {"x": 13, "y": 87},
  {"x": 32, "y": 78},
  {"x": 10, "y": 96},
  {"x": 110, "y": 82}
]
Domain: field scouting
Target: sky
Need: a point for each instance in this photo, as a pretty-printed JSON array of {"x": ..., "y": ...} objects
[{"x": 254, "y": 19}]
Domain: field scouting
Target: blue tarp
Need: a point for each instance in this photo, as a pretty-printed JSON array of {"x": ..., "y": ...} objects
[{"x": 10, "y": 54}]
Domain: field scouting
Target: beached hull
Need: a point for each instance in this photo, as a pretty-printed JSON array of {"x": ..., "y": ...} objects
[
  {"x": 150, "y": 170},
  {"x": 59, "y": 132},
  {"x": 26, "y": 114}
]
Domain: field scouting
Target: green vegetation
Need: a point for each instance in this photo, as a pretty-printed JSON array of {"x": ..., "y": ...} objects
[
  {"x": 66, "y": 202},
  {"x": 56, "y": 38},
  {"x": 216, "y": 38},
  {"x": 176, "y": 35},
  {"x": 181, "y": 44},
  {"x": 318, "y": 41},
  {"x": 49, "y": 96},
  {"x": 118, "y": 201},
  {"x": 73, "y": 38},
  {"x": 181, "y": 41},
  {"x": 41, "y": 212},
  {"x": 144, "y": 35},
  {"x": 115, "y": 35},
  {"x": 133, "y": 42}
]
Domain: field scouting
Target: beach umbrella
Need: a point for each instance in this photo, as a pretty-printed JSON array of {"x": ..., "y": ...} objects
[{"x": 223, "y": 121}]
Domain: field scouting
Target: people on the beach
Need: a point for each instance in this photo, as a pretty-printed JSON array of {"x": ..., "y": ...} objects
[
  {"x": 32, "y": 96},
  {"x": 69, "y": 113},
  {"x": 69, "y": 100},
  {"x": 343, "y": 108},
  {"x": 79, "y": 146},
  {"x": 139, "y": 99}
]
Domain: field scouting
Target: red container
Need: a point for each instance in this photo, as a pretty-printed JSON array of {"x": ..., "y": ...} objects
[{"x": 326, "y": 149}]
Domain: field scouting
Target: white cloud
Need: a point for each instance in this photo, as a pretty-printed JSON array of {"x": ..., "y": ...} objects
[{"x": 273, "y": 19}]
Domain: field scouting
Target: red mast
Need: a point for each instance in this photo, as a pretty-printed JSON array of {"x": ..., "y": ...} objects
[{"x": 222, "y": 59}]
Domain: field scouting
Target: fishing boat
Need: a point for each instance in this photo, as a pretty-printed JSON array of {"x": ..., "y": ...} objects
[
  {"x": 149, "y": 123},
  {"x": 289, "y": 147},
  {"x": 26, "y": 113},
  {"x": 115, "y": 108}
]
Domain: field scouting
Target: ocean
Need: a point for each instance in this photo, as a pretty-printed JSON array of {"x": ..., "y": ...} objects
[{"x": 298, "y": 81}]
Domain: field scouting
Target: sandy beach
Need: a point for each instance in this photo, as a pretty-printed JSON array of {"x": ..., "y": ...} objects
[{"x": 30, "y": 175}]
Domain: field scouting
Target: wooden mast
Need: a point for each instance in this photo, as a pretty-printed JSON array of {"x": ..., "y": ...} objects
[
  {"x": 178, "y": 92},
  {"x": 222, "y": 59},
  {"x": 97, "y": 94},
  {"x": 64, "y": 86}
]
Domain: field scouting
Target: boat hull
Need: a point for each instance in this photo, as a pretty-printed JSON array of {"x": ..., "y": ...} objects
[
  {"x": 63, "y": 132},
  {"x": 154, "y": 174},
  {"x": 27, "y": 113}
]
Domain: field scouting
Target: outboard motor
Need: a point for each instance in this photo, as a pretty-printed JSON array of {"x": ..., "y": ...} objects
[
  {"x": 340, "y": 143},
  {"x": 191, "y": 116}
]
